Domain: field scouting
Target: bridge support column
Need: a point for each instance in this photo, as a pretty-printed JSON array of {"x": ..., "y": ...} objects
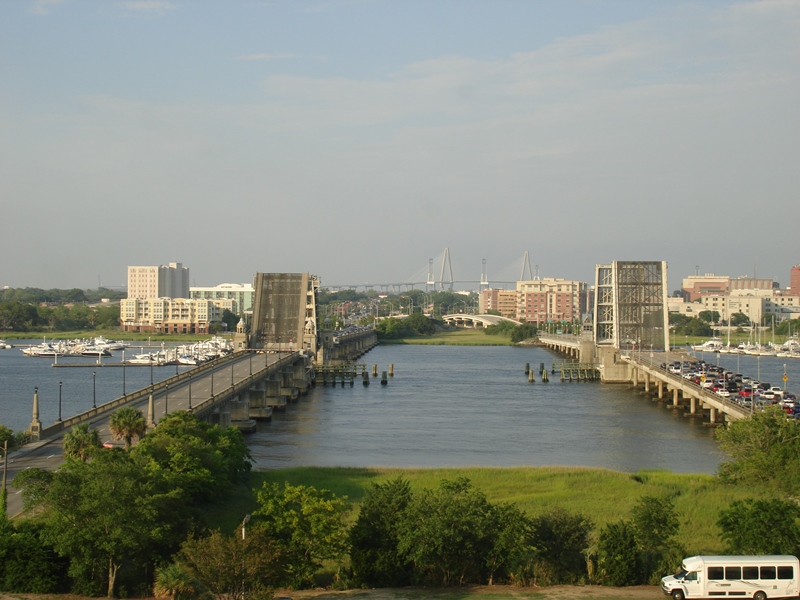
[
  {"x": 635, "y": 375},
  {"x": 675, "y": 397},
  {"x": 712, "y": 415},
  {"x": 647, "y": 382},
  {"x": 660, "y": 390},
  {"x": 693, "y": 405}
]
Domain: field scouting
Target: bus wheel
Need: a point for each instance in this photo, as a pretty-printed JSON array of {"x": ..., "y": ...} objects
[
  {"x": 759, "y": 596},
  {"x": 678, "y": 595}
]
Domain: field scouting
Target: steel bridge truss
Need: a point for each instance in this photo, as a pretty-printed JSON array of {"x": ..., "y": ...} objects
[{"x": 630, "y": 306}]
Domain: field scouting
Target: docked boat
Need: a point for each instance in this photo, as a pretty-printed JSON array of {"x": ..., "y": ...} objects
[
  {"x": 4, "y": 345},
  {"x": 712, "y": 345}
]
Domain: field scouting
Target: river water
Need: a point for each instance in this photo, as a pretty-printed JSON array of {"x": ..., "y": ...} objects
[{"x": 446, "y": 406}]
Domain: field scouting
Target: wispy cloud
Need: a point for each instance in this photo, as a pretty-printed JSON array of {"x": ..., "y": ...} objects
[
  {"x": 158, "y": 6},
  {"x": 264, "y": 56},
  {"x": 42, "y": 7}
]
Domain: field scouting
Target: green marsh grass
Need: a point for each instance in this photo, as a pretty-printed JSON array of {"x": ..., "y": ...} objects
[{"x": 604, "y": 496}]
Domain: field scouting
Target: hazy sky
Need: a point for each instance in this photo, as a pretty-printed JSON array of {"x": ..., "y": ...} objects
[{"x": 356, "y": 139}]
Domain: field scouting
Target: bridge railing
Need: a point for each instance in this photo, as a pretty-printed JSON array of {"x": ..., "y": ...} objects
[
  {"x": 682, "y": 383},
  {"x": 246, "y": 383},
  {"x": 138, "y": 395}
]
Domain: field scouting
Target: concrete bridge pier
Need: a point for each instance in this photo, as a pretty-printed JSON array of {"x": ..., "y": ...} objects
[
  {"x": 300, "y": 379},
  {"x": 239, "y": 411},
  {"x": 660, "y": 390},
  {"x": 273, "y": 397},
  {"x": 287, "y": 387},
  {"x": 259, "y": 408}
]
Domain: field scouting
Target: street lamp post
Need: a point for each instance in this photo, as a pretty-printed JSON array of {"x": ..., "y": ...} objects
[
  {"x": 123, "y": 372},
  {"x": 244, "y": 524},
  {"x": 166, "y": 399},
  {"x": 94, "y": 389},
  {"x": 190, "y": 390},
  {"x": 59, "y": 402},
  {"x": 231, "y": 375},
  {"x": 212, "y": 382},
  {"x": 151, "y": 370}
]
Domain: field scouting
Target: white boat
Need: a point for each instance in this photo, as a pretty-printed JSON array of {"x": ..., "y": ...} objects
[
  {"x": 712, "y": 345},
  {"x": 4, "y": 345}
]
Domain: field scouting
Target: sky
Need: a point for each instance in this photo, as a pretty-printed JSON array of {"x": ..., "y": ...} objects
[{"x": 359, "y": 139}]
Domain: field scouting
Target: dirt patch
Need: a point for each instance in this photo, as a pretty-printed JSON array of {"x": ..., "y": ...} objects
[{"x": 497, "y": 592}]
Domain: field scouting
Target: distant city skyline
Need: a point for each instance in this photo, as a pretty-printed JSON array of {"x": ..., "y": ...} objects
[{"x": 357, "y": 140}]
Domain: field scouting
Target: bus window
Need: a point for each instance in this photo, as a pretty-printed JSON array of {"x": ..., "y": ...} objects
[
  {"x": 785, "y": 573},
  {"x": 716, "y": 573},
  {"x": 767, "y": 572},
  {"x": 733, "y": 573},
  {"x": 691, "y": 576},
  {"x": 749, "y": 572}
]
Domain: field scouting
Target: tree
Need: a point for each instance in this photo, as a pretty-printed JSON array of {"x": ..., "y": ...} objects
[
  {"x": 444, "y": 533},
  {"x": 127, "y": 424},
  {"x": 709, "y": 316},
  {"x": 81, "y": 442},
  {"x": 764, "y": 451},
  {"x": 177, "y": 582},
  {"x": 202, "y": 459},
  {"x": 307, "y": 524},
  {"x": 560, "y": 540},
  {"x": 524, "y": 332},
  {"x": 738, "y": 319},
  {"x": 231, "y": 567},
  {"x": 230, "y": 319},
  {"x": 375, "y": 535},
  {"x": 509, "y": 541},
  {"x": 617, "y": 554},
  {"x": 102, "y": 514},
  {"x": 655, "y": 524},
  {"x": 420, "y": 324},
  {"x": 761, "y": 527},
  {"x": 27, "y": 563}
]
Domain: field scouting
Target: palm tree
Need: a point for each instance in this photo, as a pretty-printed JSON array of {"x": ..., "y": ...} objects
[
  {"x": 177, "y": 582},
  {"x": 81, "y": 441},
  {"x": 126, "y": 424}
]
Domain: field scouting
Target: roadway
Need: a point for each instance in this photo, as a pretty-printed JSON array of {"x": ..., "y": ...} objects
[{"x": 48, "y": 454}]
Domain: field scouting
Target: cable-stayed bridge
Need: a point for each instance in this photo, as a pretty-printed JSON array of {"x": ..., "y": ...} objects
[{"x": 437, "y": 274}]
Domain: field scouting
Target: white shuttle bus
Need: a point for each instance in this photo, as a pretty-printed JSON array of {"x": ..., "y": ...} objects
[{"x": 757, "y": 577}]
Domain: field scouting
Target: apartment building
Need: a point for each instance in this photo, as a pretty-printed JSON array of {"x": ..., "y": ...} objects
[
  {"x": 172, "y": 315},
  {"x": 550, "y": 299},
  {"x": 503, "y": 301},
  {"x": 163, "y": 281}
]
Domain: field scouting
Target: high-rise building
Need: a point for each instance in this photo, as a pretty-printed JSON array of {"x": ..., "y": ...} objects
[
  {"x": 170, "y": 281},
  {"x": 794, "y": 281}
]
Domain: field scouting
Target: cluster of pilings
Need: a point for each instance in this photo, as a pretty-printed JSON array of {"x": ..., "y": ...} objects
[
  {"x": 532, "y": 375},
  {"x": 347, "y": 374},
  {"x": 575, "y": 371}
]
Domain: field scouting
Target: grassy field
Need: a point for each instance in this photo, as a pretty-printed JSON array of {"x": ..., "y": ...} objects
[{"x": 604, "y": 496}]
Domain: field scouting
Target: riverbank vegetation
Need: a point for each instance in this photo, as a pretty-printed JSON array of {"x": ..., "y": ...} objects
[{"x": 182, "y": 509}]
